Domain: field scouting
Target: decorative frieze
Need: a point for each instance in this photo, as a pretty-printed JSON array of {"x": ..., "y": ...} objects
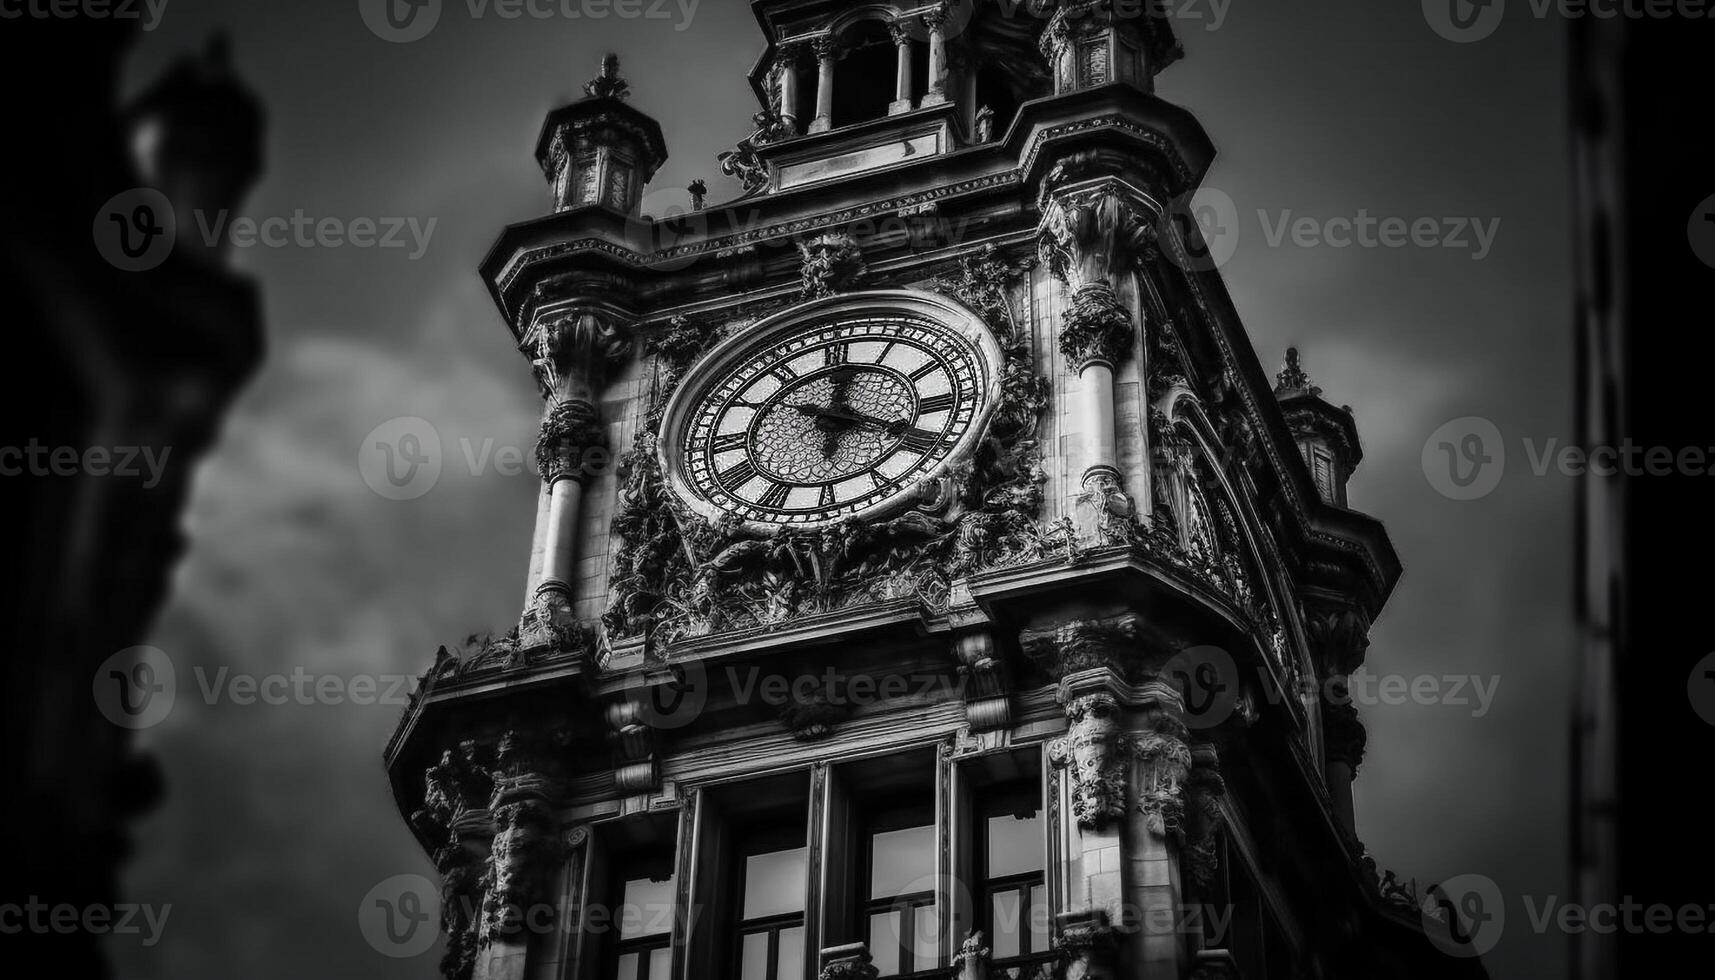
[{"x": 1091, "y": 749}]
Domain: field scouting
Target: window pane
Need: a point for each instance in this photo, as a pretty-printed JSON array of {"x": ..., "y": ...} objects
[
  {"x": 774, "y": 883},
  {"x": 1038, "y": 926},
  {"x": 923, "y": 939},
  {"x": 901, "y": 861},
  {"x": 884, "y": 941},
  {"x": 753, "y": 957},
  {"x": 1004, "y": 917},
  {"x": 791, "y": 954},
  {"x": 646, "y": 908},
  {"x": 627, "y": 967},
  {"x": 661, "y": 963},
  {"x": 1015, "y": 846}
]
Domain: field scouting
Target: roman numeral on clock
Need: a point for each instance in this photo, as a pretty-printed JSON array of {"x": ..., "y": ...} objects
[
  {"x": 935, "y": 403},
  {"x": 827, "y": 497},
  {"x": 836, "y": 353},
  {"x": 736, "y": 475},
  {"x": 919, "y": 440},
  {"x": 784, "y": 374},
  {"x": 776, "y": 495},
  {"x": 727, "y": 443}
]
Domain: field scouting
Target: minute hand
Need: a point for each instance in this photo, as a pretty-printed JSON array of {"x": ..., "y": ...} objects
[{"x": 844, "y": 414}]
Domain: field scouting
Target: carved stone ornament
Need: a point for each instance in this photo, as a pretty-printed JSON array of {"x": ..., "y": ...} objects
[
  {"x": 1096, "y": 328},
  {"x": 571, "y": 439},
  {"x": 1091, "y": 231},
  {"x": 1164, "y": 760},
  {"x": 1088, "y": 943},
  {"x": 972, "y": 960},
  {"x": 526, "y": 849},
  {"x": 1091, "y": 750},
  {"x": 1083, "y": 644},
  {"x": 832, "y": 263},
  {"x": 848, "y": 962},
  {"x": 607, "y": 84},
  {"x": 1201, "y": 857},
  {"x": 576, "y": 352},
  {"x": 1343, "y": 735}
]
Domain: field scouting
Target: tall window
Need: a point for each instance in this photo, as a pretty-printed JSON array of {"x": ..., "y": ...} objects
[
  {"x": 899, "y": 906},
  {"x": 771, "y": 917},
  {"x": 1014, "y": 909},
  {"x": 644, "y": 920}
]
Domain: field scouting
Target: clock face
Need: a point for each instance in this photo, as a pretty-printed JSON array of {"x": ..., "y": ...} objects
[{"x": 820, "y": 418}]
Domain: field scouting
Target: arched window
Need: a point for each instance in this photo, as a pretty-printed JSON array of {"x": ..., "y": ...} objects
[{"x": 864, "y": 78}]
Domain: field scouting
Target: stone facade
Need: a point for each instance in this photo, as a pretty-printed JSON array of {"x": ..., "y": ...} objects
[{"x": 1107, "y": 620}]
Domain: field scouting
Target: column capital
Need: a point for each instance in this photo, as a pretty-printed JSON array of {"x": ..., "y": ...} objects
[
  {"x": 1090, "y": 229},
  {"x": 827, "y": 47},
  {"x": 1096, "y": 328},
  {"x": 574, "y": 351},
  {"x": 1082, "y": 645},
  {"x": 572, "y": 433}
]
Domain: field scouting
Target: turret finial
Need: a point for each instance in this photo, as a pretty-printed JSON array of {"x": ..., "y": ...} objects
[
  {"x": 607, "y": 84},
  {"x": 1292, "y": 379}
]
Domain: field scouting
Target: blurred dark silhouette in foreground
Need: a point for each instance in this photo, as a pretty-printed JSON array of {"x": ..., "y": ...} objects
[{"x": 131, "y": 351}]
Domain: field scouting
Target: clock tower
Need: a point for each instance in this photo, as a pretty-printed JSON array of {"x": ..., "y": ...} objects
[{"x": 927, "y": 580}]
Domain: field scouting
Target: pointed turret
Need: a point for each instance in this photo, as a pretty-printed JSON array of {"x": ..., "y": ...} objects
[
  {"x": 1326, "y": 436},
  {"x": 599, "y": 151}
]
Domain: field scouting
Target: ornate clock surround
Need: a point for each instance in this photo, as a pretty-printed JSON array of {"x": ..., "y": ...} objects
[{"x": 792, "y": 333}]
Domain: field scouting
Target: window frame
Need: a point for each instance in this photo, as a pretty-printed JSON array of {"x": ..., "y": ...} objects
[{"x": 999, "y": 800}]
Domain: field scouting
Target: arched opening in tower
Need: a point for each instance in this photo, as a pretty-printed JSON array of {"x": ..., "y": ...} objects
[{"x": 864, "y": 78}]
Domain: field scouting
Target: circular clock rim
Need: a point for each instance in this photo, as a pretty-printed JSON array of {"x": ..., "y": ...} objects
[{"x": 696, "y": 381}]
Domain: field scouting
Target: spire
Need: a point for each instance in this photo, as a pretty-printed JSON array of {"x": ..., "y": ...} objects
[
  {"x": 607, "y": 84},
  {"x": 1292, "y": 380}
]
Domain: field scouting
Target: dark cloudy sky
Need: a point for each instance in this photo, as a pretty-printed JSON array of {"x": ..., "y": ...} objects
[{"x": 279, "y": 819}]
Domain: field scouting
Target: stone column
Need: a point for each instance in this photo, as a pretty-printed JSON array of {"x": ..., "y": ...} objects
[
  {"x": 456, "y": 793},
  {"x": 935, "y": 21},
  {"x": 1088, "y": 656},
  {"x": 902, "y": 71},
  {"x": 527, "y": 851},
  {"x": 1090, "y": 233},
  {"x": 827, "y": 52},
  {"x": 574, "y": 353},
  {"x": 786, "y": 64},
  {"x": 1339, "y": 638},
  {"x": 1160, "y": 758}
]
